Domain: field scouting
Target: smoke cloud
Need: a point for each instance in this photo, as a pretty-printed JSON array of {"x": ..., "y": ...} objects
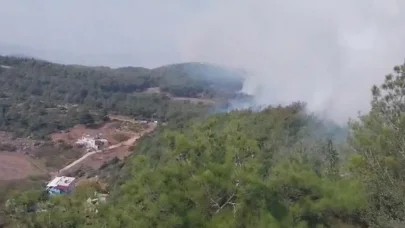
[{"x": 327, "y": 53}]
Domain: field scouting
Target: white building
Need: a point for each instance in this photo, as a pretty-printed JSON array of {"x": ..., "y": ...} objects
[
  {"x": 61, "y": 185},
  {"x": 91, "y": 143},
  {"x": 88, "y": 142}
]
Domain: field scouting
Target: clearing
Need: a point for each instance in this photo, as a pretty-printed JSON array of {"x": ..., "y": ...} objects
[
  {"x": 106, "y": 131},
  {"x": 200, "y": 100},
  {"x": 15, "y": 166},
  {"x": 194, "y": 100},
  {"x": 23, "y": 157},
  {"x": 16, "y": 157},
  {"x": 120, "y": 150},
  {"x": 119, "y": 134}
]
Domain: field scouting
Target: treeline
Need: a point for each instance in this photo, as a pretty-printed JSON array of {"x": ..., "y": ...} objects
[
  {"x": 39, "y": 97},
  {"x": 195, "y": 79}
]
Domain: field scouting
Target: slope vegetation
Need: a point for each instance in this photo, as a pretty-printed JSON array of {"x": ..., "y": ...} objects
[
  {"x": 39, "y": 97},
  {"x": 239, "y": 169},
  {"x": 274, "y": 168},
  {"x": 249, "y": 169}
]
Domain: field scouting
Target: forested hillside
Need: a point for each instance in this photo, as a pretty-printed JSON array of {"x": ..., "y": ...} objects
[
  {"x": 39, "y": 97},
  {"x": 249, "y": 169}
]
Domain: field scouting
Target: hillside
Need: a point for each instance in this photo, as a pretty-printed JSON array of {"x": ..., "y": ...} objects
[
  {"x": 218, "y": 80},
  {"x": 39, "y": 97},
  {"x": 277, "y": 167},
  {"x": 45, "y": 108},
  {"x": 240, "y": 169}
]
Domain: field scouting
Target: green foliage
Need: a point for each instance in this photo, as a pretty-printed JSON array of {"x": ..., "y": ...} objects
[
  {"x": 378, "y": 141},
  {"x": 274, "y": 168},
  {"x": 218, "y": 173},
  {"x": 196, "y": 79},
  {"x": 36, "y": 209},
  {"x": 15, "y": 187},
  {"x": 86, "y": 118},
  {"x": 239, "y": 169},
  {"x": 39, "y": 97}
]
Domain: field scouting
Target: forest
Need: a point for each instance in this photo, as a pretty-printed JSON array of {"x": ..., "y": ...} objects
[
  {"x": 39, "y": 97},
  {"x": 249, "y": 169}
]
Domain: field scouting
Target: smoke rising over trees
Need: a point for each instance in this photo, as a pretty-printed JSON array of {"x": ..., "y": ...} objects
[{"x": 326, "y": 53}]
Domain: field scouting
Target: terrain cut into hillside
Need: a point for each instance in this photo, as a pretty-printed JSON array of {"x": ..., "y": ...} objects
[
  {"x": 16, "y": 157},
  {"x": 17, "y": 166},
  {"x": 113, "y": 138},
  {"x": 70, "y": 149}
]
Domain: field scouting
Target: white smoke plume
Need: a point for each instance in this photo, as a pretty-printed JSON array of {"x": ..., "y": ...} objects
[{"x": 327, "y": 53}]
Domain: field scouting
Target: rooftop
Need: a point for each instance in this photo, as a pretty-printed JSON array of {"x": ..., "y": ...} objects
[{"x": 61, "y": 181}]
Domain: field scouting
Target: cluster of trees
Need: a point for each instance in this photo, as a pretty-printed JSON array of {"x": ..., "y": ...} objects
[
  {"x": 39, "y": 97},
  {"x": 274, "y": 168},
  {"x": 212, "y": 81}
]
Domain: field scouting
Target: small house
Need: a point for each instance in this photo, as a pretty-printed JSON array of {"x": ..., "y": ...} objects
[
  {"x": 61, "y": 185},
  {"x": 88, "y": 142}
]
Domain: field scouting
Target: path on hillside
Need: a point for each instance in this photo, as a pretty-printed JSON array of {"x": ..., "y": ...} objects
[{"x": 128, "y": 142}]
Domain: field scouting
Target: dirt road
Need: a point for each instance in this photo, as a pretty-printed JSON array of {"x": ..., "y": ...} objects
[
  {"x": 78, "y": 161},
  {"x": 128, "y": 142}
]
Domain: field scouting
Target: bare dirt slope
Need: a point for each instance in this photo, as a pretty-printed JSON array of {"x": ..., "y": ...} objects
[
  {"x": 17, "y": 166},
  {"x": 105, "y": 131},
  {"x": 16, "y": 157},
  {"x": 22, "y": 157},
  {"x": 120, "y": 149}
]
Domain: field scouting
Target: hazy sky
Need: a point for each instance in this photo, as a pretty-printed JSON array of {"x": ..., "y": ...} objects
[{"x": 326, "y": 52}]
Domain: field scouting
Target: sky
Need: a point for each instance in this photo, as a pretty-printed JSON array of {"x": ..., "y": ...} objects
[{"x": 327, "y": 53}]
